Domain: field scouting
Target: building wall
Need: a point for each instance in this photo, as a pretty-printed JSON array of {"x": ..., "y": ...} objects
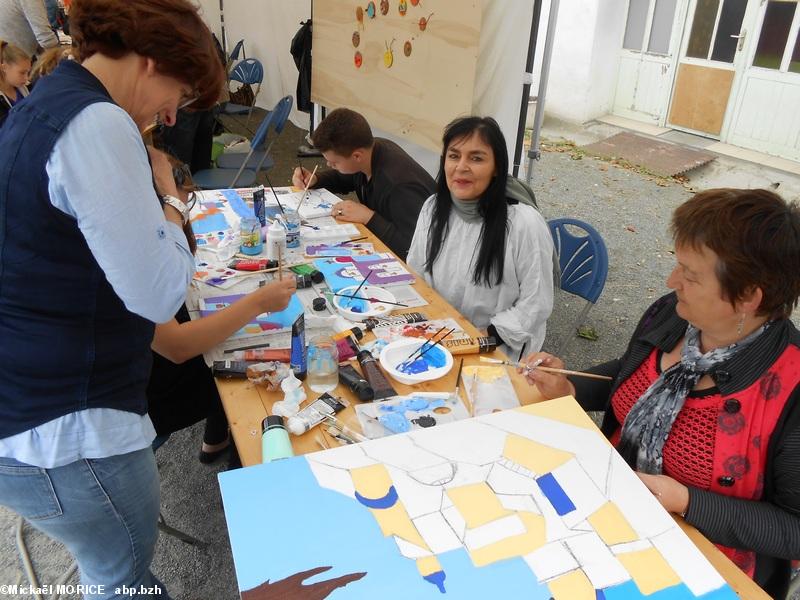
[{"x": 583, "y": 71}]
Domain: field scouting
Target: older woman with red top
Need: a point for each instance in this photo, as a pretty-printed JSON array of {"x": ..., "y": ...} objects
[{"x": 705, "y": 402}]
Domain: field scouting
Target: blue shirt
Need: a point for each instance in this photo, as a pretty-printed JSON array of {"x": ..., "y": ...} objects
[{"x": 108, "y": 189}]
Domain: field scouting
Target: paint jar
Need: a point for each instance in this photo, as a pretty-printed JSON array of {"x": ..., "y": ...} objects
[
  {"x": 275, "y": 443},
  {"x": 323, "y": 364},
  {"x": 250, "y": 236},
  {"x": 276, "y": 241},
  {"x": 292, "y": 220}
]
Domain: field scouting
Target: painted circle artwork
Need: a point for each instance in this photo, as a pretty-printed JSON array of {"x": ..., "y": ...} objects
[
  {"x": 407, "y": 48},
  {"x": 384, "y": 7},
  {"x": 402, "y": 7},
  {"x": 358, "y": 60},
  {"x": 356, "y": 39},
  {"x": 371, "y": 10},
  {"x": 360, "y": 14},
  {"x": 414, "y": 2},
  {"x": 423, "y": 22}
]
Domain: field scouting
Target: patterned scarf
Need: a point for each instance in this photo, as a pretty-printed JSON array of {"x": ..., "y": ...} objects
[{"x": 650, "y": 420}]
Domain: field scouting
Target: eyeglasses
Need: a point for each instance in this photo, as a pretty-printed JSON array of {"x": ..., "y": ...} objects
[{"x": 187, "y": 99}]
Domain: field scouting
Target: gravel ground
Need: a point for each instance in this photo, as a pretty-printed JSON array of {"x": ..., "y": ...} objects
[{"x": 629, "y": 209}]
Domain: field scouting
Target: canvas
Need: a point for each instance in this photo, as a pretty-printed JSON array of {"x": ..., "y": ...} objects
[
  {"x": 264, "y": 323},
  {"x": 527, "y": 503}
]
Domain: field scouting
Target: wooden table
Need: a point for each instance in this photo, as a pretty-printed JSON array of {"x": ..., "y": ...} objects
[{"x": 246, "y": 406}]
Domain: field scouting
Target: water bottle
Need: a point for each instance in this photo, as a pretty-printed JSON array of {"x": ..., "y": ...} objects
[{"x": 292, "y": 220}]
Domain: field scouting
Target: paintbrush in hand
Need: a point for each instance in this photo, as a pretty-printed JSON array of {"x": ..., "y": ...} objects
[{"x": 537, "y": 365}]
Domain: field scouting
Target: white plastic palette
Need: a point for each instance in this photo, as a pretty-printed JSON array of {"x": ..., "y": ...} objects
[
  {"x": 374, "y": 302},
  {"x": 342, "y": 231},
  {"x": 397, "y": 352}
]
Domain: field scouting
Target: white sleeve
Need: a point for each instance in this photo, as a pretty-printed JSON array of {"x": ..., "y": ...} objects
[
  {"x": 532, "y": 251},
  {"x": 100, "y": 175},
  {"x": 417, "y": 253}
]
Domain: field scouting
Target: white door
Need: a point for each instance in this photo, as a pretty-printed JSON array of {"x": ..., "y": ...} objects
[
  {"x": 766, "y": 116},
  {"x": 711, "y": 53},
  {"x": 646, "y": 62}
]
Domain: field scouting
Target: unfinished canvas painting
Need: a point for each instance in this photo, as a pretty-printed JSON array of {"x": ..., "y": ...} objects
[{"x": 527, "y": 503}]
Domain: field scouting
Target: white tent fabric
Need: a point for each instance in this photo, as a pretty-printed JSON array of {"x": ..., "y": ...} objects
[{"x": 267, "y": 26}]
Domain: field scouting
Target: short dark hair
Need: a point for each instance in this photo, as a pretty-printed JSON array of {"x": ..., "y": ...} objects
[
  {"x": 756, "y": 235},
  {"x": 171, "y": 32},
  {"x": 343, "y": 131},
  {"x": 492, "y": 206}
]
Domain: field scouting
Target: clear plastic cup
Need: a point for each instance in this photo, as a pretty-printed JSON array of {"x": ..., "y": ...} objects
[{"x": 323, "y": 364}]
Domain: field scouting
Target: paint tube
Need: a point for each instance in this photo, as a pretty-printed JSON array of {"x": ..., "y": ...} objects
[
  {"x": 298, "y": 348},
  {"x": 480, "y": 345},
  {"x": 414, "y": 317},
  {"x": 314, "y": 414},
  {"x": 374, "y": 375},
  {"x": 263, "y": 354}
]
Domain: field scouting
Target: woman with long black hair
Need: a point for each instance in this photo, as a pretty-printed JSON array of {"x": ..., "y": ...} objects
[{"x": 481, "y": 243}]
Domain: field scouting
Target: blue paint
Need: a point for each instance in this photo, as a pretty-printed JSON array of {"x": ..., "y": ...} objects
[
  {"x": 629, "y": 591},
  {"x": 437, "y": 578},
  {"x": 210, "y": 223},
  {"x": 387, "y": 501},
  {"x": 555, "y": 494},
  {"x": 432, "y": 359},
  {"x": 238, "y": 205},
  {"x": 201, "y": 242},
  {"x": 356, "y": 305},
  {"x": 415, "y": 403},
  {"x": 395, "y": 422}
]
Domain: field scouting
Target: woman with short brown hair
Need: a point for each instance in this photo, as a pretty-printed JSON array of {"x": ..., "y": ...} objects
[
  {"x": 91, "y": 258},
  {"x": 705, "y": 402}
]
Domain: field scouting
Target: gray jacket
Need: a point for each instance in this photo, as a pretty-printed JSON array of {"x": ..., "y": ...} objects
[{"x": 24, "y": 23}]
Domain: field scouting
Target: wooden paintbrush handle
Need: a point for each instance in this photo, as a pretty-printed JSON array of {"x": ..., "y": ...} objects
[{"x": 575, "y": 373}]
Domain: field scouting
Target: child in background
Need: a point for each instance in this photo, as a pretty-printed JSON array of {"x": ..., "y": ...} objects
[{"x": 15, "y": 66}]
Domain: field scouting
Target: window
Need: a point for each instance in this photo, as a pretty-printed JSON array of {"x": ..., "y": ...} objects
[
  {"x": 774, "y": 35},
  {"x": 712, "y": 28},
  {"x": 634, "y": 28},
  {"x": 663, "y": 18}
]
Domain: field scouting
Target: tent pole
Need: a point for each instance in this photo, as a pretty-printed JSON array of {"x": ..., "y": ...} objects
[
  {"x": 526, "y": 87},
  {"x": 222, "y": 27},
  {"x": 533, "y": 151}
]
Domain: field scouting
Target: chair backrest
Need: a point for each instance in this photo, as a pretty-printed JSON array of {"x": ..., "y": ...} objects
[
  {"x": 583, "y": 259},
  {"x": 261, "y": 133},
  {"x": 239, "y": 47},
  {"x": 282, "y": 110},
  {"x": 249, "y": 71}
]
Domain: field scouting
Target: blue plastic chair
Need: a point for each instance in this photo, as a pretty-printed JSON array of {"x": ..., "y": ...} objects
[
  {"x": 583, "y": 261},
  {"x": 258, "y": 158},
  {"x": 249, "y": 164},
  {"x": 249, "y": 71}
]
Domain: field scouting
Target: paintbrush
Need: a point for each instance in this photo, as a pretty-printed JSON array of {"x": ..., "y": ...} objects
[
  {"x": 458, "y": 379},
  {"x": 273, "y": 193},
  {"x": 344, "y": 429},
  {"x": 305, "y": 191},
  {"x": 372, "y": 299},
  {"x": 537, "y": 365},
  {"x": 427, "y": 341},
  {"x": 280, "y": 264},
  {"x": 360, "y": 285},
  {"x": 424, "y": 352},
  {"x": 358, "y": 239}
]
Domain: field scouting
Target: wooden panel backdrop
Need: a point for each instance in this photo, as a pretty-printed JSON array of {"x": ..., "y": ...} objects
[{"x": 412, "y": 96}]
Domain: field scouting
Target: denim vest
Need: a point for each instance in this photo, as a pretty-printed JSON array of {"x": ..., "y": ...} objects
[{"x": 67, "y": 342}]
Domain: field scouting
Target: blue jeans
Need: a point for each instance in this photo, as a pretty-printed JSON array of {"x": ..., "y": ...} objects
[{"x": 105, "y": 511}]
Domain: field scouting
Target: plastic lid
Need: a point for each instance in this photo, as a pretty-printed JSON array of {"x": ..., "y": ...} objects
[
  {"x": 318, "y": 304},
  {"x": 357, "y": 332},
  {"x": 271, "y": 421},
  {"x": 317, "y": 277}
]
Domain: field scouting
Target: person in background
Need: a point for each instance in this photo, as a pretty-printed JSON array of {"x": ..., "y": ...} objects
[
  {"x": 390, "y": 185},
  {"x": 15, "y": 67},
  {"x": 481, "y": 244},
  {"x": 705, "y": 401},
  {"x": 89, "y": 262},
  {"x": 181, "y": 390},
  {"x": 24, "y": 23}
]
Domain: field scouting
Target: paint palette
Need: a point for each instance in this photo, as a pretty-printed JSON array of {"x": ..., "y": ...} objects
[
  {"x": 408, "y": 413},
  {"x": 218, "y": 276},
  {"x": 371, "y": 302},
  {"x": 436, "y": 363},
  {"x": 328, "y": 233},
  {"x": 489, "y": 389}
]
